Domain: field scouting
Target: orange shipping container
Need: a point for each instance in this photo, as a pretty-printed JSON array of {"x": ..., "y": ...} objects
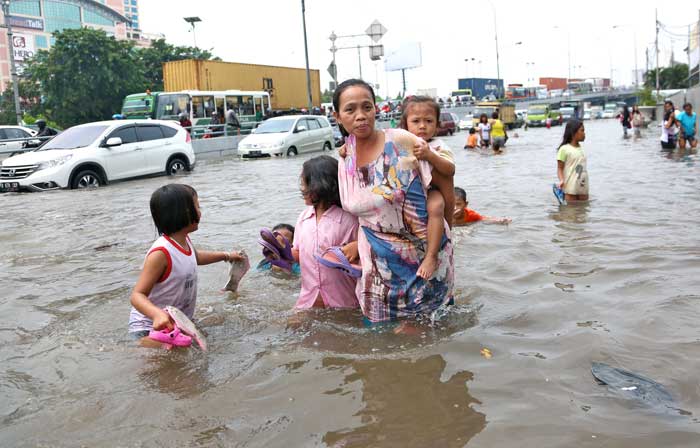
[{"x": 286, "y": 85}]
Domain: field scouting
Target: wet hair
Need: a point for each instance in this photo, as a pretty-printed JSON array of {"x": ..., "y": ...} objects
[
  {"x": 342, "y": 87},
  {"x": 460, "y": 194},
  {"x": 572, "y": 127},
  {"x": 173, "y": 209},
  {"x": 482, "y": 117},
  {"x": 320, "y": 179},
  {"x": 687, "y": 105},
  {"x": 494, "y": 115},
  {"x": 472, "y": 131},
  {"x": 418, "y": 99},
  {"x": 283, "y": 226}
]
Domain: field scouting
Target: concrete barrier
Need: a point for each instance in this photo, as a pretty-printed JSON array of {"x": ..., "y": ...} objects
[{"x": 216, "y": 147}]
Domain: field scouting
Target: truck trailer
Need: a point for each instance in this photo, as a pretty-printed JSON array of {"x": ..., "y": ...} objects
[
  {"x": 482, "y": 87},
  {"x": 286, "y": 85}
]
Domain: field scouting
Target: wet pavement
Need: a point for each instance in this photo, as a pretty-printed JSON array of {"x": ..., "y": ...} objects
[{"x": 613, "y": 281}]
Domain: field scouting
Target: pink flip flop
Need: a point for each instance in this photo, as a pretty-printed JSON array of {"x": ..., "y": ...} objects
[{"x": 171, "y": 337}]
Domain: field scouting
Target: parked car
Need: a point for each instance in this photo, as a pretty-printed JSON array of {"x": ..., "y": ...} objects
[
  {"x": 290, "y": 135},
  {"x": 467, "y": 122},
  {"x": 93, "y": 154},
  {"x": 10, "y": 138},
  {"x": 447, "y": 124},
  {"x": 338, "y": 136}
]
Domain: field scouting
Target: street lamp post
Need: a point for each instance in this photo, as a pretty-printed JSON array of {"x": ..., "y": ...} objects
[
  {"x": 498, "y": 66},
  {"x": 466, "y": 64},
  {"x": 192, "y": 21},
  {"x": 306, "y": 53},
  {"x": 13, "y": 65}
]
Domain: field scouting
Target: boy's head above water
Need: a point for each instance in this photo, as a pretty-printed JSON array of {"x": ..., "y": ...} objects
[
  {"x": 285, "y": 230},
  {"x": 460, "y": 199}
]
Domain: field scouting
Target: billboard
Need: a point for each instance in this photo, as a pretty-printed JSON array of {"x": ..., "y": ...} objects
[
  {"x": 22, "y": 46},
  {"x": 408, "y": 55}
]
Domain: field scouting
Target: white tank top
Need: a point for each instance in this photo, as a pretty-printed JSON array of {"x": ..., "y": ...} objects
[{"x": 178, "y": 285}]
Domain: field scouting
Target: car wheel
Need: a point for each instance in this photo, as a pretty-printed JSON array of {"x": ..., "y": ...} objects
[
  {"x": 86, "y": 179},
  {"x": 327, "y": 147},
  {"x": 292, "y": 151},
  {"x": 175, "y": 166},
  {"x": 452, "y": 132}
]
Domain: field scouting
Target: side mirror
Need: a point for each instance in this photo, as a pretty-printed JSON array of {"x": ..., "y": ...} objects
[
  {"x": 113, "y": 141},
  {"x": 301, "y": 128}
]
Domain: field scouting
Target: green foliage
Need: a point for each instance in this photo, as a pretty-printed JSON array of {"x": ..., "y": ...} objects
[
  {"x": 160, "y": 52},
  {"x": 675, "y": 77},
  {"x": 29, "y": 101},
  {"x": 647, "y": 97},
  {"x": 327, "y": 96},
  {"x": 86, "y": 75},
  {"x": 31, "y": 119}
]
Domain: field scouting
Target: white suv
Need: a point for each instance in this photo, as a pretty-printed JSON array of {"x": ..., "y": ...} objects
[
  {"x": 290, "y": 135},
  {"x": 93, "y": 154}
]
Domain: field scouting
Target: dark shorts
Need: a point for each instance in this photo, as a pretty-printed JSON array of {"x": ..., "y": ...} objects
[
  {"x": 138, "y": 335},
  {"x": 689, "y": 138}
]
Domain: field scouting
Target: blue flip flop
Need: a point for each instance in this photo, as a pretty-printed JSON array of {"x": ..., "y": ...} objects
[
  {"x": 342, "y": 264},
  {"x": 559, "y": 194}
]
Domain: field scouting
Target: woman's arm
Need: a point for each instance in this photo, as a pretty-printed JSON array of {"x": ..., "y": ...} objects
[{"x": 153, "y": 269}]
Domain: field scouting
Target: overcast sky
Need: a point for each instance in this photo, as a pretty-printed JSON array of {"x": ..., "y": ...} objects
[{"x": 450, "y": 31}]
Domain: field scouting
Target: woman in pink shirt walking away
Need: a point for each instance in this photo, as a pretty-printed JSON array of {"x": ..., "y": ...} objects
[{"x": 324, "y": 231}]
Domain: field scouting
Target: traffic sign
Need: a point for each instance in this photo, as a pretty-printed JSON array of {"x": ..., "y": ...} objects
[
  {"x": 376, "y": 30},
  {"x": 332, "y": 70}
]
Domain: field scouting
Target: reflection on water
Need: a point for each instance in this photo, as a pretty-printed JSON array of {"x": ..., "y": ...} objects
[
  {"x": 406, "y": 403},
  {"x": 613, "y": 280}
]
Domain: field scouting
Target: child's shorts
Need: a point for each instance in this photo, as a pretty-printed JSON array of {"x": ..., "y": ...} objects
[{"x": 138, "y": 335}]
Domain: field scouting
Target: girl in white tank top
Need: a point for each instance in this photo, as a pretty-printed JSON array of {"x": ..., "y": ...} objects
[{"x": 169, "y": 273}]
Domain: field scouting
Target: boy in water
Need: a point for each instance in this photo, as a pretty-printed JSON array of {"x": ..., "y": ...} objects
[{"x": 464, "y": 215}]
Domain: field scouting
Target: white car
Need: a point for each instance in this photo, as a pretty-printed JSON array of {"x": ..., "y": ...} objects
[
  {"x": 467, "y": 122},
  {"x": 93, "y": 154},
  {"x": 290, "y": 135},
  {"x": 10, "y": 138}
]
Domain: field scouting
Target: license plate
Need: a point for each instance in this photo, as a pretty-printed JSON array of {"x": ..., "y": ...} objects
[
  {"x": 255, "y": 153},
  {"x": 9, "y": 186}
]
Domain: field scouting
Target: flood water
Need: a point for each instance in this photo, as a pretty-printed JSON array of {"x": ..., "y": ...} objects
[{"x": 614, "y": 281}]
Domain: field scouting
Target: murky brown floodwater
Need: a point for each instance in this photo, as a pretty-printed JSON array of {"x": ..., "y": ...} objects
[{"x": 615, "y": 281}]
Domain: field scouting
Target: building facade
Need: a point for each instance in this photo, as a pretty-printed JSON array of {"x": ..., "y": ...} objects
[{"x": 33, "y": 23}]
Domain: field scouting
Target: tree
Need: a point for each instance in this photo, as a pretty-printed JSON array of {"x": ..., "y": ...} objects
[
  {"x": 327, "y": 96},
  {"x": 674, "y": 77},
  {"x": 29, "y": 101},
  {"x": 160, "y": 52},
  {"x": 86, "y": 75}
]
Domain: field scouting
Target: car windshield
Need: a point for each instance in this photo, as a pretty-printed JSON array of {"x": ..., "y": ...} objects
[
  {"x": 275, "y": 126},
  {"x": 567, "y": 110},
  {"x": 610, "y": 107},
  {"x": 137, "y": 105},
  {"x": 73, "y": 138},
  {"x": 484, "y": 110},
  {"x": 536, "y": 110}
]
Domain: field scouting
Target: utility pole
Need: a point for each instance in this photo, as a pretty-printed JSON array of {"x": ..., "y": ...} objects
[
  {"x": 306, "y": 53},
  {"x": 656, "y": 48},
  {"x": 13, "y": 65},
  {"x": 498, "y": 66},
  {"x": 359, "y": 60}
]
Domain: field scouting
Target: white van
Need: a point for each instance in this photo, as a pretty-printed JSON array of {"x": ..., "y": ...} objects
[{"x": 290, "y": 135}]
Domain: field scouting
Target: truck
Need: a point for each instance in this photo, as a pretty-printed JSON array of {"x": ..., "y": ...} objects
[
  {"x": 286, "y": 85},
  {"x": 554, "y": 83},
  {"x": 482, "y": 87},
  {"x": 537, "y": 115},
  {"x": 140, "y": 106},
  {"x": 506, "y": 112}
]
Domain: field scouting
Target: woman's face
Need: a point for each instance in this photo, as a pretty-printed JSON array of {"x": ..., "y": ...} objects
[
  {"x": 580, "y": 134},
  {"x": 305, "y": 192},
  {"x": 356, "y": 111}
]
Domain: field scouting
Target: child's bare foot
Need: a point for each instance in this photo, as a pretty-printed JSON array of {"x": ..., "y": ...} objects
[{"x": 428, "y": 267}]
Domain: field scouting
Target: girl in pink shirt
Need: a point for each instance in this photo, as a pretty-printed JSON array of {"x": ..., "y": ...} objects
[{"x": 324, "y": 224}]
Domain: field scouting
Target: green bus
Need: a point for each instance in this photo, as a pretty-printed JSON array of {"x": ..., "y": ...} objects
[{"x": 250, "y": 107}]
